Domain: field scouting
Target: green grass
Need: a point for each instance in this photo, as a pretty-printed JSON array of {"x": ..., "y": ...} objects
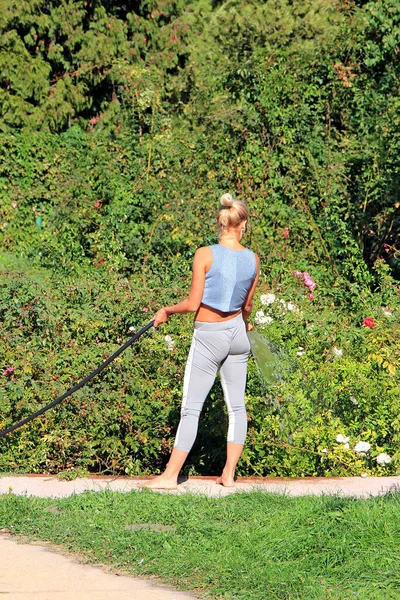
[{"x": 247, "y": 546}]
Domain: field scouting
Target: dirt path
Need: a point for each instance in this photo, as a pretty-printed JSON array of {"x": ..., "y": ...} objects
[
  {"x": 347, "y": 486},
  {"x": 35, "y": 572}
]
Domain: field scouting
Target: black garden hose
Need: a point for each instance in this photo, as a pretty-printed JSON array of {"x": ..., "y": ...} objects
[{"x": 79, "y": 385}]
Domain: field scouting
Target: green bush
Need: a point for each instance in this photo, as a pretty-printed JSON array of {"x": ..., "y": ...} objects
[{"x": 55, "y": 330}]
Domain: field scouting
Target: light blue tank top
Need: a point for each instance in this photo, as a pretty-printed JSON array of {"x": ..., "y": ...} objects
[{"x": 229, "y": 278}]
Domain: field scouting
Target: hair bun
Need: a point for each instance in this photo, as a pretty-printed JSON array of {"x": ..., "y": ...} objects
[{"x": 227, "y": 200}]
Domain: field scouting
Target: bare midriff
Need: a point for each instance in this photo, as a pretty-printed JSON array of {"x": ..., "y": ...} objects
[{"x": 206, "y": 314}]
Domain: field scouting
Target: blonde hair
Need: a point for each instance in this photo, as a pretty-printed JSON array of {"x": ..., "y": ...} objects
[{"x": 231, "y": 213}]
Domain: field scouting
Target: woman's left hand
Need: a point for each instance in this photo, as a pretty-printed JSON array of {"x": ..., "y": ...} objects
[{"x": 160, "y": 317}]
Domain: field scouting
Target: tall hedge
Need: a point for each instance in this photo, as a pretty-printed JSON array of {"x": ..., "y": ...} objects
[{"x": 121, "y": 125}]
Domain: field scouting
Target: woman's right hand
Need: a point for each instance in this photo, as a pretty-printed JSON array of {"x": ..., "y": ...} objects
[
  {"x": 160, "y": 317},
  {"x": 249, "y": 326}
]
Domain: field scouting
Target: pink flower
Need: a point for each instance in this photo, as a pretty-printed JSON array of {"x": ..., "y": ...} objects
[
  {"x": 286, "y": 233},
  {"x": 369, "y": 322},
  {"x": 309, "y": 282},
  {"x": 9, "y": 371}
]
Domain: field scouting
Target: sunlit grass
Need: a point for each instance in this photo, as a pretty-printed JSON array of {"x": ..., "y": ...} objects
[{"x": 252, "y": 546}]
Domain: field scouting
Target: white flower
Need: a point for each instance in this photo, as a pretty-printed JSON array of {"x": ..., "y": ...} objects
[
  {"x": 346, "y": 446},
  {"x": 300, "y": 348},
  {"x": 170, "y": 342},
  {"x": 354, "y": 400},
  {"x": 260, "y": 318},
  {"x": 267, "y": 299},
  {"x": 387, "y": 312},
  {"x": 383, "y": 459},
  {"x": 341, "y": 439},
  {"x": 364, "y": 475},
  {"x": 299, "y": 353},
  {"x": 283, "y": 302},
  {"x": 324, "y": 450},
  {"x": 337, "y": 351},
  {"x": 291, "y": 306},
  {"x": 362, "y": 447},
  {"x": 131, "y": 328}
]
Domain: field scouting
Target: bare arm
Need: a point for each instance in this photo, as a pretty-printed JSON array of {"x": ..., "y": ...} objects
[
  {"x": 248, "y": 303},
  {"x": 201, "y": 263}
]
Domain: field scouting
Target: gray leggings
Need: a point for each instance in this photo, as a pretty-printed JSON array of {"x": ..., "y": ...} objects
[{"x": 215, "y": 346}]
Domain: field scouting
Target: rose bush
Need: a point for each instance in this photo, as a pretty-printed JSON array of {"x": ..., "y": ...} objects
[{"x": 339, "y": 387}]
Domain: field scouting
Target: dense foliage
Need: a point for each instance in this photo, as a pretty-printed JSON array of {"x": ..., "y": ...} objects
[{"x": 120, "y": 125}]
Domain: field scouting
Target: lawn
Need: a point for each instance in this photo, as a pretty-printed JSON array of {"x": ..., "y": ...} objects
[{"x": 247, "y": 546}]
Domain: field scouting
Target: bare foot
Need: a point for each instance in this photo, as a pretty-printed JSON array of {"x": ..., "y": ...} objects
[
  {"x": 160, "y": 483},
  {"x": 225, "y": 481}
]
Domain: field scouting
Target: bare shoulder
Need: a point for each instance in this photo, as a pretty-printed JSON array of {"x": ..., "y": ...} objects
[
  {"x": 203, "y": 253},
  {"x": 203, "y": 256},
  {"x": 257, "y": 259}
]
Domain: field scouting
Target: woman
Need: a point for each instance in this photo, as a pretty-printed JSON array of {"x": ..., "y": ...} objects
[{"x": 223, "y": 282}]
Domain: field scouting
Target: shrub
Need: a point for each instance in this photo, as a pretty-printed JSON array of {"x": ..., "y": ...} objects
[{"x": 56, "y": 330}]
